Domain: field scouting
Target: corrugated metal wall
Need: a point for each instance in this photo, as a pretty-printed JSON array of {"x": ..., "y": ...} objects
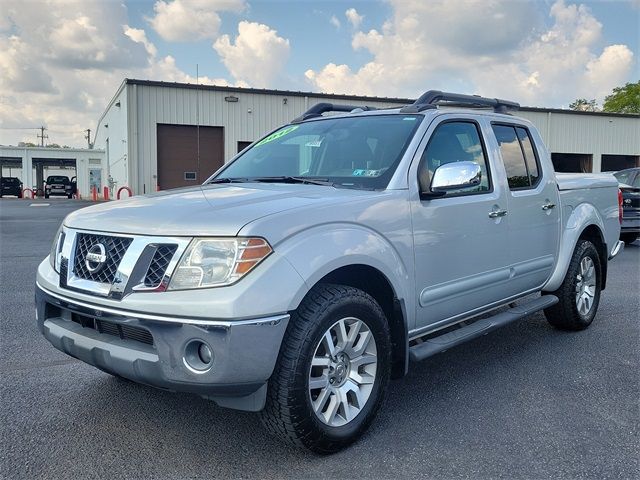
[
  {"x": 255, "y": 114},
  {"x": 591, "y": 134},
  {"x": 248, "y": 119}
]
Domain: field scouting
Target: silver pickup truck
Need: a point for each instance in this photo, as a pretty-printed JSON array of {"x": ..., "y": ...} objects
[{"x": 321, "y": 261}]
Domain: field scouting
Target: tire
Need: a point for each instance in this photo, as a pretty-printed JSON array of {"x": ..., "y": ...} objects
[
  {"x": 576, "y": 310},
  {"x": 70, "y": 196},
  {"x": 289, "y": 413},
  {"x": 629, "y": 237},
  {"x": 46, "y": 195}
]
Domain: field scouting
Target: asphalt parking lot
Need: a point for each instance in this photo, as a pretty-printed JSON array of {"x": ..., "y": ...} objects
[{"x": 527, "y": 401}]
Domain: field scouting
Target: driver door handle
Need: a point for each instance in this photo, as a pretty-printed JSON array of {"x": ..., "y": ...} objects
[
  {"x": 497, "y": 213},
  {"x": 548, "y": 206}
]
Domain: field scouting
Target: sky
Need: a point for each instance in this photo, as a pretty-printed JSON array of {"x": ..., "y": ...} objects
[{"x": 61, "y": 61}]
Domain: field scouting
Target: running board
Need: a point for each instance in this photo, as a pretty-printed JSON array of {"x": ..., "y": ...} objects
[{"x": 448, "y": 340}]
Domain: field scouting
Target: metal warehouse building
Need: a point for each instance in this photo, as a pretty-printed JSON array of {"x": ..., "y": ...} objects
[{"x": 159, "y": 135}]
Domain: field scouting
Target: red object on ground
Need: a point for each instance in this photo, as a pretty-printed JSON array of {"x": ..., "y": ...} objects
[
  {"x": 94, "y": 194},
  {"x": 27, "y": 190},
  {"x": 120, "y": 191},
  {"x": 105, "y": 193}
]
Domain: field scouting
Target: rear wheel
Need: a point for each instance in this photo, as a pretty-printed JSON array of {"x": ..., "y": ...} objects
[
  {"x": 629, "y": 237},
  {"x": 579, "y": 293},
  {"x": 332, "y": 371}
]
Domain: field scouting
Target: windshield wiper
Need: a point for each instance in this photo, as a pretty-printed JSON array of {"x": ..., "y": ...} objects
[
  {"x": 289, "y": 179},
  {"x": 228, "y": 180}
]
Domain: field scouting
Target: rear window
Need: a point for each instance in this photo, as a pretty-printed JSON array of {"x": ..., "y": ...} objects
[
  {"x": 11, "y": 181},
  {"x": 626, "y": 177}
]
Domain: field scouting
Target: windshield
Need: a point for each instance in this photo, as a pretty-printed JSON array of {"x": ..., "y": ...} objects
[
  {"x": 357, "y": 152},
  {"x": 10, "y": 181},
  {"x": 58, "y": 179}
]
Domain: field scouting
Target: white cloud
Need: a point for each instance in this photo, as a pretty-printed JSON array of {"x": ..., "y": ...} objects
[
  {"x": 257, "y": 56},
  {"x": 334, "y": 21},
  {"x": 61, "y": 61},
  {"x": 501, "y": 50},
  {"x": 190, "y": 20},
  {"x": 354, "y": 18}
]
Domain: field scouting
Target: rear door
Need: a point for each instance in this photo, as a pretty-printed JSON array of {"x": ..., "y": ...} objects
[
  {"x": 534, "y": 217},
  {"x": 460, "y": 244}
]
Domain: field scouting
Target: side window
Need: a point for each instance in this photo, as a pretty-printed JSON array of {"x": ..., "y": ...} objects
[
  {"x": 518, "y": 156},
  {"x": 529, "y": 155},
  {"x": 455, "y": 142}
]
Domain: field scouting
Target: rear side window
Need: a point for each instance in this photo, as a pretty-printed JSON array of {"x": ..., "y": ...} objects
[{"x": 518, "y": 156}]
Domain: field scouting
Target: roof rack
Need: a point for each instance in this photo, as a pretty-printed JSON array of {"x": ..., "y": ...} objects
[
  {"x": 319, "y": 108},
  {"x": 432, "y": 98}
]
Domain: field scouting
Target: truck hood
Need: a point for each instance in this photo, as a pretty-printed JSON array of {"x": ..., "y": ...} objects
[{"x": 208, "y": 210}]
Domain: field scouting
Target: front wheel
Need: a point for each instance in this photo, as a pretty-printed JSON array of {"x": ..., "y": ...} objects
[
  {"x": 332, "y": 371},
  {"x": 579, "y": 293}
]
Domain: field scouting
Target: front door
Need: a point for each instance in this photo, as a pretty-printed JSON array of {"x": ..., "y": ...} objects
[{"x": 461, "y": 239}]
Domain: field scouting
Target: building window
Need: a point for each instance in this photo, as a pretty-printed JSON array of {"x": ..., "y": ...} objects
[
  {"x": 191, "y": 176},
  {"x": 613, "y": 163},
  {"x": 572, "y": 162}
]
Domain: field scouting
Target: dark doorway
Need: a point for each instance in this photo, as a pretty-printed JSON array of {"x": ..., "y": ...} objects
[
  {"x": 242, "y": 145},
  {"x": 572, "y": 162},
  {"x": 613, "y": 163},
  {"x": 187, "y": 154}
]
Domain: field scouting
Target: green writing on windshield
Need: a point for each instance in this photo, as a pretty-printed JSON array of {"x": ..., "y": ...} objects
[{"x": 276, "y": 135}]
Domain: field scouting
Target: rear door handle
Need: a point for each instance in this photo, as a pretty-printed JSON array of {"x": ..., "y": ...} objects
[
  {"x": 497, "y": 213},
  {"x": 548, "y": 206}
]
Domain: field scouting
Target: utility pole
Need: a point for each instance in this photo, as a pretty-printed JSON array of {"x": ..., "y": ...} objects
[
  {"x": 42, "y": 136},
  {"x": 88, "y": 137}
]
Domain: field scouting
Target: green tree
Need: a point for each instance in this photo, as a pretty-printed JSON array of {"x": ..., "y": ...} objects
[
  {"x": 584, "y": 105},
  {"x": 26, "y": 144},
  {"x": 624, "y": 99}
]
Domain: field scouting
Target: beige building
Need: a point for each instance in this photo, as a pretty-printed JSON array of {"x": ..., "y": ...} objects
[{"x": 159, "y": 135}]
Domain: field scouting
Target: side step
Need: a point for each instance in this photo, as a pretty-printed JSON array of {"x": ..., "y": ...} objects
[{"x": 444, "y": 342}]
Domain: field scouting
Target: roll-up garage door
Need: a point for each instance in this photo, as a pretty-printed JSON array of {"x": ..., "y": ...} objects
[{"x": 179, "y": 162}]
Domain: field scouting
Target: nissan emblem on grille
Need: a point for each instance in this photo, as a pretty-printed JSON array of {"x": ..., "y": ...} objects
[{"x": 96, "y": 257}]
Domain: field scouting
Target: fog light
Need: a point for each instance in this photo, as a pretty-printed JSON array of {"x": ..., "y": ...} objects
[
  {"x": 198, "y": 356},
  {"x": 205, "y": 354}
]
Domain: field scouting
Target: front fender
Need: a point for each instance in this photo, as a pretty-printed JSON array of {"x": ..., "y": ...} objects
[
  {"x": 318, "y": 251},
  {"x": 579, "y": 219}
]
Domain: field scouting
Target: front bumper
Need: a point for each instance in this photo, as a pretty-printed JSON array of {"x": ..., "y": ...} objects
[{"x": 244, "y": 351}]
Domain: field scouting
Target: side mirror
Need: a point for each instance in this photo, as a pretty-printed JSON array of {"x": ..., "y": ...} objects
[{"x": 454, "y": 176}]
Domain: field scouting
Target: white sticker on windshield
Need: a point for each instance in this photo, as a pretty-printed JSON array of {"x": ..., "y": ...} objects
[{"x": 314, "y": 143}]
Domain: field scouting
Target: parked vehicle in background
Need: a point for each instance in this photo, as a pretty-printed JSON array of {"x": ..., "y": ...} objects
[
  {"x": 630, "y": 187},
  {"x": 58, "y": 185},
  {"x": 10, "y": 186},
  {"x": 308, "y": 271}
]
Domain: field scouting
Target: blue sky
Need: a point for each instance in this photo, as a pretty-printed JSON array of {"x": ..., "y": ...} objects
[
  {"x": 62, "y": 60},
  {"x": 318, "y": 42}
]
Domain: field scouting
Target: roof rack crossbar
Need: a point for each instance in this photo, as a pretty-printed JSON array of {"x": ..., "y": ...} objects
[
  {"x": 319, "y": 108},
  {"x": 432, "y": 98}
]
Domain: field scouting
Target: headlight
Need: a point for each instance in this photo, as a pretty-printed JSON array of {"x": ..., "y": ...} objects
[
  {"x": 56, "y": 248},
  {"x": 214, "y": 262}
]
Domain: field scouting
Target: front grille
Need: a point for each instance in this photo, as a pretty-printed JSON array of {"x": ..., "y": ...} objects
[
  {"x": 159, "y": 264},
  {"x": 115, "y": 248},
  {"x": 125, "y": 332}
]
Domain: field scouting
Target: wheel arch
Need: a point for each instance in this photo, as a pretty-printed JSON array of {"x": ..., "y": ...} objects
[
  {"x": 593, "y": 234},
  {"x": 375, "y": 283}
]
